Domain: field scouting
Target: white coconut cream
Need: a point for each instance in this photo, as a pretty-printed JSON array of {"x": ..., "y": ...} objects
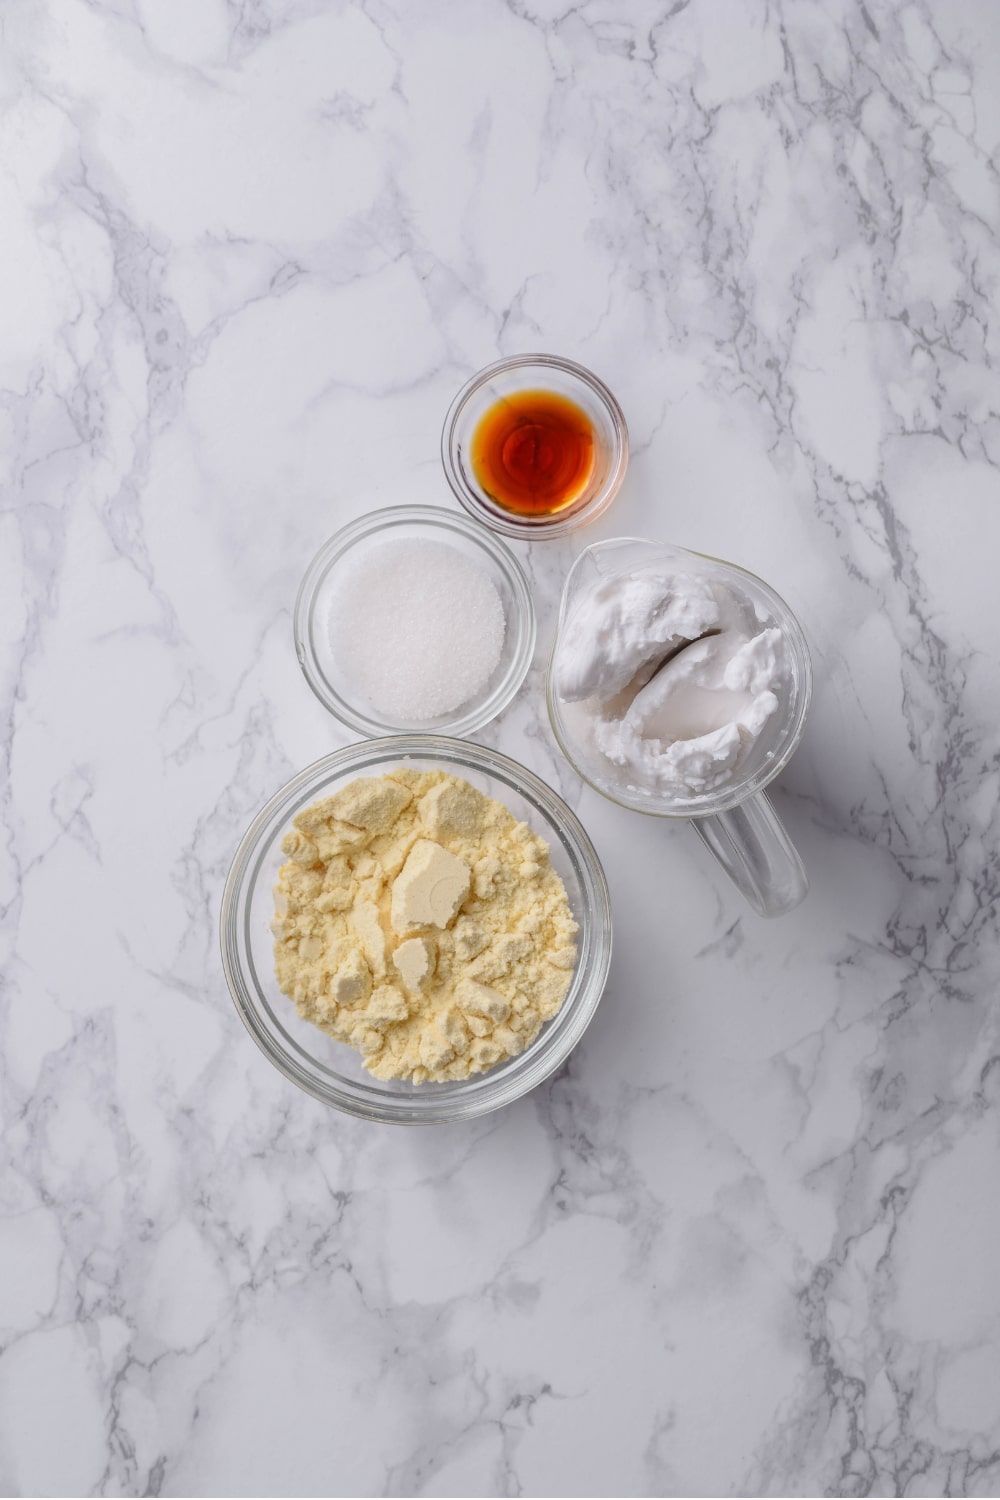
[{"x": 677, "y": 674}]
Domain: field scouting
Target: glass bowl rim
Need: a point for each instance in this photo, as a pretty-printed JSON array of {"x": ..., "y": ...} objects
[
  {"x": 723, "y": 798},
  {"x": 482, "y": 1093},
  {"x": 509, "y": 525},
  {"x": 339, "y": 544}
]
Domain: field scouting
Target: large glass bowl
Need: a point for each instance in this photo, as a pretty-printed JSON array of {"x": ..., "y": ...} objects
[{"x": 332, "y": 1071}]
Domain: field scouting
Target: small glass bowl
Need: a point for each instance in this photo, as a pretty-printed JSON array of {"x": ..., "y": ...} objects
[
  {"x": 526, "y": 372},
  {"x": 316, "y": 654},
  {"x": 331, "y": 1071}
]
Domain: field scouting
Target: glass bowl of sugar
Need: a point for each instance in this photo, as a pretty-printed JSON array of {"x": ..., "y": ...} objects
[{"x": 413, "y": 619}]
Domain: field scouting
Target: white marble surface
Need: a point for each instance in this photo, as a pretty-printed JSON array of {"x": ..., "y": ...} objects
[{"x": 748, "y": 1241}]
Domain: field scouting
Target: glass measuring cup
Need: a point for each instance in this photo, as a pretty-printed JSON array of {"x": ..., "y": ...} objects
[{"x": 736, "y": 821}]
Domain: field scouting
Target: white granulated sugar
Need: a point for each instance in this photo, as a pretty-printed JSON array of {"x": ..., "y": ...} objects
[{"x": 416, "y": 627}]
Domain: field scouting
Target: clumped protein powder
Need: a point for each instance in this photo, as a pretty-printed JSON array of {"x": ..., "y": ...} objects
[
  {"x": 416, "y": 627},
  {"x": 419, "y": 922}
]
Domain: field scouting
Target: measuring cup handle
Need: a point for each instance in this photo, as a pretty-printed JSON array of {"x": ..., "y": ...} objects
[{"x": 751, "y": 845}]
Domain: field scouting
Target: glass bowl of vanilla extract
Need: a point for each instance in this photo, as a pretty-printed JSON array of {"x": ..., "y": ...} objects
[{"x": 535, "y": 445}]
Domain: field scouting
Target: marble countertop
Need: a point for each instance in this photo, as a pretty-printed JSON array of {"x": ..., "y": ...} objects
[{"x": 747, "y": 1241}]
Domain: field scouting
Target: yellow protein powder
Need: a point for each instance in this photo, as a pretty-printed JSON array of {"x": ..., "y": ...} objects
[{"x": 421, "y": 923}]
